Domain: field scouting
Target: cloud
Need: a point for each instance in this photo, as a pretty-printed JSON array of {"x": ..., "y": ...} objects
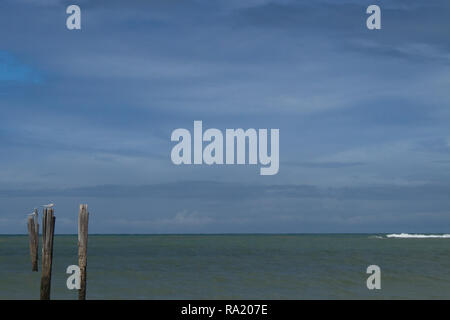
[
  {"x": 439, "y": 145},
  {"x": 223, "y": 191},
  {"x": 422, "y": 52},
  {"x": 205, "y": 207},
  {"x": 324, "y": 164},
  {"x": 363, "y": 116},
  {"x": 183, "y": 218}
]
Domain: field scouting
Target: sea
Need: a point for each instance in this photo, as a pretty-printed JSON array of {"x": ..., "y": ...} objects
[{"x": 237, "y": 266}]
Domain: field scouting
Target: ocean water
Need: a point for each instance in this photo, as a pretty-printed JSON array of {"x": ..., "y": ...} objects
[{"x": 236, "y": 267}]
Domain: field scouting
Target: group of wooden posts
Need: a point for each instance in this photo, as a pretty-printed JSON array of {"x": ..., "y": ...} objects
[{"x": 48, "y": 232}]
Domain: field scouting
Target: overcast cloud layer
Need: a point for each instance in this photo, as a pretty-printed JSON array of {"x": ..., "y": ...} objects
[{"x": 86, "y": 116}]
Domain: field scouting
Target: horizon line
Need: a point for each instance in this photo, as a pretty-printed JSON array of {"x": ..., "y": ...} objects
[{"x": 225, "y": 233}]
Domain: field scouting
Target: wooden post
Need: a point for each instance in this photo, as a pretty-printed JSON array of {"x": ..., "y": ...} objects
[
  {"x": 36, "y": 225},
  {"x": 83, "y": 219},
  {"x": 48, "y": 230},
  {"x": 33, "y": 240}
]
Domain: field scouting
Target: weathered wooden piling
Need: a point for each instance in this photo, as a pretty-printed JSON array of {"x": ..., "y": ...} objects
[
  {"x": 48, "y": 231},
  {"x": 34, "y": 238},
  {"x": 83, "y": 220},
  {"x": 36, "y": 227}
]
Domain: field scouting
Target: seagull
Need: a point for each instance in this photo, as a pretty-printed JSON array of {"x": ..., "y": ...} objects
[{"x": 50, "y": 205}]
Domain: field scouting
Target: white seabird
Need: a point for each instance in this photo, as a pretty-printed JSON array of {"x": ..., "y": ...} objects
[{"x": 50, "y": 205}]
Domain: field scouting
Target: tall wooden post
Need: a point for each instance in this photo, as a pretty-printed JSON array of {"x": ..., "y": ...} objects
[
  {"x": 36, "y": 225},
  {"x": 48, "y": 231},
  {"x": 33, "y": 237},
  {"x": 83, "y": 219}
]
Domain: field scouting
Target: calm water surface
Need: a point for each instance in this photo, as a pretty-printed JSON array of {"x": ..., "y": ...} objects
[{"x": 235, "y": 267}]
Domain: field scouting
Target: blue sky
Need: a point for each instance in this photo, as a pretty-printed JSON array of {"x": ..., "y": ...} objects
[{"x": 86, "y": 116}]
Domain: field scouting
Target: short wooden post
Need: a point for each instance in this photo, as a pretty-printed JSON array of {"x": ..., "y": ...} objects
[
  {"x": 33, "y": 242},
  {"x": 48, "y": 231},
  {"x": 83, "y": 219}
]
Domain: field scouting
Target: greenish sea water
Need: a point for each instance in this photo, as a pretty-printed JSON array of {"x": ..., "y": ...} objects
[{"x": 325, "y": 266}]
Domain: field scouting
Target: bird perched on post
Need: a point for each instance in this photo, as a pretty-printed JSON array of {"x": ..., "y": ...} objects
[{"x": 50, "y": 205}]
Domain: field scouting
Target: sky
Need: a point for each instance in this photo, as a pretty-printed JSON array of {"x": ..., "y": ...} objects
[{"x": 86, "y": 115}]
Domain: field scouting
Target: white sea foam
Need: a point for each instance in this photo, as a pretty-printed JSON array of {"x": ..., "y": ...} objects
[{"x": 421, "y": 236}]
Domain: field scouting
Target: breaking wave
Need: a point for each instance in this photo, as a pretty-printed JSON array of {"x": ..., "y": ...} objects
[{"x": 409, "y": 235}]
